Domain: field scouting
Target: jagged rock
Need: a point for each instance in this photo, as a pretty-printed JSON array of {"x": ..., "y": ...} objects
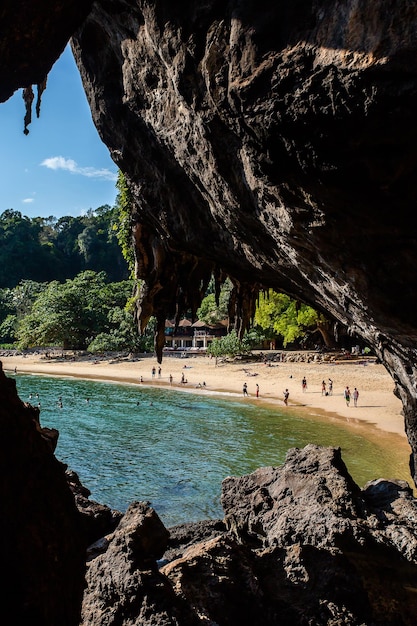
[
  {"x": 311, "y": 499},
  {"x": 183, "y": 536},
  {"x": 34, "y": 35},
  {"x": 301, "y": 544},
  {"x": 42, "y": 546},
  {"x": 124, "y": 585},
  {"x": 97, "y": 519}
]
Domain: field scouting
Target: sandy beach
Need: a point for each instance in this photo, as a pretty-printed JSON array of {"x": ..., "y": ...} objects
[
  {"x": 377, "y": 405},
  {"x": 377, "y": 416}
]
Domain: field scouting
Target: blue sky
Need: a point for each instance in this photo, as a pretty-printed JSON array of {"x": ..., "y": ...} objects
[{"x": 61, "y": 167}]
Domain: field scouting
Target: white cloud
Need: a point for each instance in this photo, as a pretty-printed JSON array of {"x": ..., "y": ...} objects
[
  {"x": 61, "y": 163},
  {"x": 28, "y": 200}
]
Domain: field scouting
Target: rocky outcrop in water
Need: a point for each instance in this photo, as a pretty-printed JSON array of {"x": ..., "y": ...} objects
[
  {"x": 299, "y": 544},
  {"x": 42, "y": 544}
]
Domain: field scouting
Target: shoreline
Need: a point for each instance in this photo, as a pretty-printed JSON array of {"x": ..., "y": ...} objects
[
  {"x": 377, "y": 404},
  {"x": 377, "y": 417}
]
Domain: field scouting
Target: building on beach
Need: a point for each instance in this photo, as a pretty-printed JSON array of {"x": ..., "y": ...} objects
[{"x": 190, "y": 336}]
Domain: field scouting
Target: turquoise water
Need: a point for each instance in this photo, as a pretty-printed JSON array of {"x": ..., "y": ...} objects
[{"x": 173, "y": 449}]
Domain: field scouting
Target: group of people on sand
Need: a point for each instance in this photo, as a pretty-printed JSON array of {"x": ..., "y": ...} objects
[
  {"x": 245, "y": 390},
  {"x": 183, "y": 379},
  {"x": 327, "y": 388},
  {"x": 348, "y": 395}
]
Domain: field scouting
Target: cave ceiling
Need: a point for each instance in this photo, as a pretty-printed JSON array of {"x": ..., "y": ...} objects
[{"x": 271, "y": 142}]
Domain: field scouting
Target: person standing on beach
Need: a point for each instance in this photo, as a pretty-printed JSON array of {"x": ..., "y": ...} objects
[
  {"x": 346, "y": 394},
  {"x": 153, "y": 372},
  {"x": 245, "y": 389},
  {"x": 170, "y": 379},
  {"x": 286, "y": 396},
  {"x": 330, "y": 387},
  {"x": 304, "y": 384},
  {"x": 355, "y": 397},
  {"x": 257, "y": 390},
  {"x": 323, "y": 387},
  {"x": 159, "y": 372}
]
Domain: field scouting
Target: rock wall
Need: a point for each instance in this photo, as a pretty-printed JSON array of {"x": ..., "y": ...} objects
[
  {"x": 42, "y": 544},
  {"x": 274, "y": 143},
  {"x": 271, "y": 142}
]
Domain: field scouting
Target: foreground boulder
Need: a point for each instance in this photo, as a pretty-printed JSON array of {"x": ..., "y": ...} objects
[
  {"x": 124, "y": 585},
  {"x": 42, "y": 545},
  {"x": 300, "y": 544}
]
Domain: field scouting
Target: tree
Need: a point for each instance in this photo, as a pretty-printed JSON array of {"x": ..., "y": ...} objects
[
  {"x": 290, "y": 319},
  {"x": 123, "y": 334},
  {"x": 98, "y": 244},
  {"x": 122, "y": 224},
  {"x": 72, "y": 314},
  {"x": 210, "y": 312},
  {"x": 46, "y": 249},
  {"x": 230, "y": 345},
  {"x": 8, "y": 330},
  {"x": 24, "y": 295}
]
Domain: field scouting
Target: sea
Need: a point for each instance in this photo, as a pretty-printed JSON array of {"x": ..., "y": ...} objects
[{"x": 129, "y": 442}]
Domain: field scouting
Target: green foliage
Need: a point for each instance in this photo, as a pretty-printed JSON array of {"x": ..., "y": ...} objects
[
  {"x": 8, "y": 330},
  {"x": 230, "y": 345},
  {"x": 122, "y": 223},
  {"x": 207, "y": 312},
  {"x": 24, "y": 295},
  {"x": 21, "y": 252},
  {"x": 46, "y": 249},
  {"x": 6, "y": 302},
  {"x": 72, "y": 314},
  {"x": 211, "y": 313},
  {"x": 286, "y": 317}
]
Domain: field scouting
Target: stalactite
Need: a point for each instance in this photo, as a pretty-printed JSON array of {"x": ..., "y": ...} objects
[
  {"x": 40, "y": 89},
  {"x": 28, "y": 97}
]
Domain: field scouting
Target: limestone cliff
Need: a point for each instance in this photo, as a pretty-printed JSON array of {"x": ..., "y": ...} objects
[{"x": 273, "y": 142}]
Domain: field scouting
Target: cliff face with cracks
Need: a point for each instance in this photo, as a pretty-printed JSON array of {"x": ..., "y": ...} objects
[{"x": 275, "y": 143}]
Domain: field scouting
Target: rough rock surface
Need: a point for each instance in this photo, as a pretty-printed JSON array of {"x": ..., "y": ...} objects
[
  {"x": 275, "y": 143},
  {"x": 42, "y": 546},
  {"x": 97, "y": 519},
  {"x": 124, "y": 585},
  {"x": 301, "y": 544}
]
